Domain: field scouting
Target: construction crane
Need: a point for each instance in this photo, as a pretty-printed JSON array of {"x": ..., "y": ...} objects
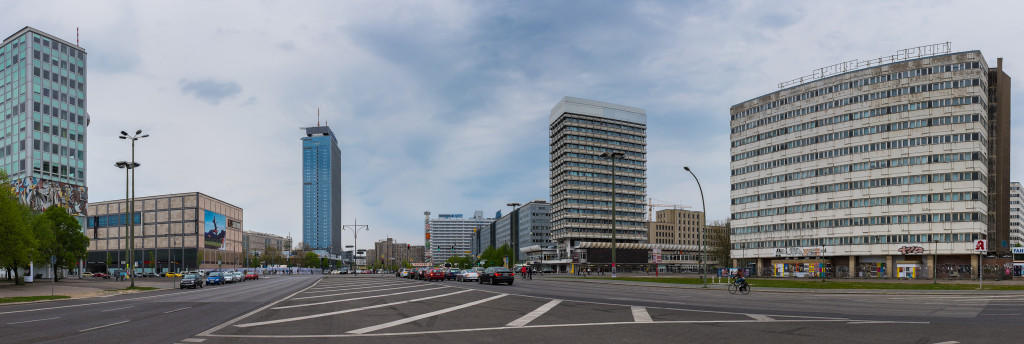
[{"x": 651, "y": 205}]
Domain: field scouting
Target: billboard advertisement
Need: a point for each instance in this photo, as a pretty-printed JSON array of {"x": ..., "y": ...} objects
[{"x": 215, "y": 228}]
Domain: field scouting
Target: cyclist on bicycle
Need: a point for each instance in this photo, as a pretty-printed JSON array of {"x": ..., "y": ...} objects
[{"x": 740, "y": 281}]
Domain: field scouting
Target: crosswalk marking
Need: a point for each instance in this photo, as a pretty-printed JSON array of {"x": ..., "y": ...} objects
[
  {"x": 536, "y": 313},
  {"x": 640, "y": 314},
  {"x": 424, "y": 316},
  {"x": 760, "y": 317}
]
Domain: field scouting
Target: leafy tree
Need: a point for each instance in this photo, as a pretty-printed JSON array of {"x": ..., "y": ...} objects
[
  {"x": 200, "y": 257},
  {"x": 62, "y": 238},
  {"x": 110, "y": 261},
  {"x": 719, "y": 246},
  {"x": 152, "y": 261},
  {"x": 17, "y": 241},
  {"x": 311, "y": 260}
]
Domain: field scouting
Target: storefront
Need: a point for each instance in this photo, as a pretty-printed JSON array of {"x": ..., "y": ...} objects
[{"x": 1018, "y": 262}]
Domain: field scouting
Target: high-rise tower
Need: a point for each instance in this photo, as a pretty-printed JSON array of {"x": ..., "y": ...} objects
[
  {"x": 43, "y": 120},
  {"x": 321, "y": 190}
]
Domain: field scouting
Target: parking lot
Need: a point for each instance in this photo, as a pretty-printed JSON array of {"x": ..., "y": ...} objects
[{"x": 388, "y": 307}]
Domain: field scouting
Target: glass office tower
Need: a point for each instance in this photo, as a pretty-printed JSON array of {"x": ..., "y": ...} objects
[
  {"x": 321, "y": 190},
  {"x": 43, "y": 120}
]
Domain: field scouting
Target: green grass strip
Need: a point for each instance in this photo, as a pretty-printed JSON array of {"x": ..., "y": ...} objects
[{"x": 32, "y": 298}]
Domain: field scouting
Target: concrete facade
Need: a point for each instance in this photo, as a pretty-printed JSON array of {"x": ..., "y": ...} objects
[
  {"x": 451, "y": 235},
  {"x": 525, "y": 226},
  {"x": 256, "y": 243},
  {"x": 389, "y": 251},
  {"x": 580, "y": 130},
  {"x": 1016, "y": 215},
  {"x": 172, "y": 229},
  {"x": 879, "y": 168}
]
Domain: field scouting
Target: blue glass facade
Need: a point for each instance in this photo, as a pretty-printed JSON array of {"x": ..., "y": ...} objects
[{"x": 321, "y": 190}]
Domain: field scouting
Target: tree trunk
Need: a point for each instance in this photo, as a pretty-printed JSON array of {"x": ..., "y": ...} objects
[{"x": 17, "y": 278}]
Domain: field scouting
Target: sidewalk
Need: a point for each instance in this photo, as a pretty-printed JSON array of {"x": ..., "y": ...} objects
[
  {"x": 722, "y": 285},
  {"x": 81, "y": 288}
]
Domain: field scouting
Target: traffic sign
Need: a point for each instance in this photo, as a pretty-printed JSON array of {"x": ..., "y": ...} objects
[{"x": 53, "y": 259}]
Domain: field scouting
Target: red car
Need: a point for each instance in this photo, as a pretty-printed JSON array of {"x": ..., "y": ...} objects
[
  {"x": 101, "y": 275},
  {"x": 251, "y": 275},
  {"x": 435, "y": 274}
]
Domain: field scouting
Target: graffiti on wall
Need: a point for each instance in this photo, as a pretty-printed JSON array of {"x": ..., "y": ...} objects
[{"x": 39, "y": 194}]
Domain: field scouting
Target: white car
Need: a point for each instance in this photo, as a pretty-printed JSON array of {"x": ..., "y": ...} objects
[{"x": 468, "y": 275}]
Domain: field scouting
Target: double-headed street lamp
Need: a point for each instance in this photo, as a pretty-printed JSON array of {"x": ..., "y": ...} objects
[
  {"x": 127, "y": 202},
  {"x": 355, "y": 227},
  {"x": 703, "y": 225},
  {"x": 613, "y": 155},
  {"x": 131, "y": 205}
]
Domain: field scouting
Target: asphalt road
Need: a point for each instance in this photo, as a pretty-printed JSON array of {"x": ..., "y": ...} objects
[
  {"x": 162, "y": 316},
  {"x": 390, "y": 310},
  {"x": 385, "y": 309}
]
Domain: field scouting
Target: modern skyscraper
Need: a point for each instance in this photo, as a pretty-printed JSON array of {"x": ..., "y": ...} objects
[
  {"x": 321, "y": 190},
  {"x": 43, "y": 120},
  {"x": 581, "y": 131},
  {"x": 884, "y": 166}
]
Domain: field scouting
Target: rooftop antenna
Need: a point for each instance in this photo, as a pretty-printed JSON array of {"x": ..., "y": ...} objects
[
  {"x": 318, "y": 117},
  {"x": 76, "y": 37}
]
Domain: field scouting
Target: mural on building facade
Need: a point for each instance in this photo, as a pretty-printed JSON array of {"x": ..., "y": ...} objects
[{"x": 39, "y": 194}]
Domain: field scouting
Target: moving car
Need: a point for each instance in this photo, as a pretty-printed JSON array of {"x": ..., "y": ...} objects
[
  {"x": 435, "y": 274},
  {"x": 86, "y": 274},
  {"x": 497, "y": 274},
  {"x": 216, "y": 277},
  {"x": 252, "y": 275},
  {"x": 451, "y": 274},
  {"x": 468, "y": 275},
  {"x": 101, "y": 275},
  {"x": 191, "y": 281}
]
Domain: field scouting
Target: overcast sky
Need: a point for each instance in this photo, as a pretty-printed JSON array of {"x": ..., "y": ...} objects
[{"x": 443, "y": 105}]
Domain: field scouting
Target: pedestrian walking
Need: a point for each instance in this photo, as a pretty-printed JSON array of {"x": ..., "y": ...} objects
[{"x": 530, "y": 273}]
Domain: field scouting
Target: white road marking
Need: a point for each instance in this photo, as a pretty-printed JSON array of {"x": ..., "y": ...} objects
[
  {"x": 536, "y": 313},
  {"x": 424, "y": 316},
  {"x": 246, "y": 315},
  {"x": 1000, "y": 314},
  {"x": 760, "y": 317},
  {"x": 28, "y": 321},
  {"x": 356, "y": 298},
  {"x": 640, "y": 314},
  {"x": 342, "y": 286},
  {"x": 261, "y": 323},
  {"x": 861, "y": 322},
  {"x": 179, "y": 309},
  {"x": 949, "y": 342},
  {"x": 352, "y": 292},
  {"x": 194, "y": 340},
  {"x": 116, "y": 309},
  {"x": 99, "y": 327}
]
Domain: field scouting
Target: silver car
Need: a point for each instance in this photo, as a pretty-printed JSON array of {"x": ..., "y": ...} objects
[
  {"x": 468, "y": 275},
  {"x": 239, "y": 276}
]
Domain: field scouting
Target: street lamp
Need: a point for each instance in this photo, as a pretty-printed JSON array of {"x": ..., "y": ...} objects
[
  {"x": 131, "y": 233},
  {"x": 355, "y": 227},
  {"x": 513, "y": 224},
  {"x": 703, "y": 225},
  {"x": 613, "y": 155},
  {"x": 131, "y": 206}
]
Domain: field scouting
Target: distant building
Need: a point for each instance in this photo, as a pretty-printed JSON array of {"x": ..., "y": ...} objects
[
  {"x": 1016, "y": 215},
  {"x": 172, "y": 232},
  {"x": 43, "y": 120},
  {"x": 523, "y": 227},
  {"x": 321, "y": 190},
  {"x": 580, "y": 131},
  {"x": 255, "y": 243},
  {"x": 884, "y": 167},
  {"x": 450, "y": 235},
  {"x": 388, "y": 252}
]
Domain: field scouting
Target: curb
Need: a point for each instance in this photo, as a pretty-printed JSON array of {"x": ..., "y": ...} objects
[{"x": 798, "y": 291}]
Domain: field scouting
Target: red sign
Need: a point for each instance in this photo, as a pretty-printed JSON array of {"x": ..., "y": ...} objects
[{"x": 981, "y": 245}]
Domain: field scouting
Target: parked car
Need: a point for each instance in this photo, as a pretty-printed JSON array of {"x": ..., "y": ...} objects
[
  {"x": 239, "y": 276},
  {"x": 191, "y": 281},
  {"x": 101, "y": 275},
  {"x": 451, "y": 274},
  {"x": 149, "y": 274},
  {"x": 252, "y": 275},
  {"x": 497, "y": 274},
  {"x": 216, "y": 277},
  {"x": 399, "y": 272},
  {"x": 468, "y": 275},
  {"x": 435, "y": 274},
  {"x": 86, "y": 274},
  {"x": 174, "y": 274}
]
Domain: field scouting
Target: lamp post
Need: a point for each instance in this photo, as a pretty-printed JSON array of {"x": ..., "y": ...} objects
[
  {"x": 613, "y": 156},
  {"x": 703, "y": 225},
  {"x": 128, "y": 216},
  {"x": 935, "y": 260},
  {"x": 355, "y": 227},
  {"x": 131, "y": 206}
]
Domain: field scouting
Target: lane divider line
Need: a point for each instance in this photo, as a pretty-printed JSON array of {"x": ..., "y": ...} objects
[
  {"x": 268, "y": 322},
  {"x": 424, "y": 316},
  {"x": 246, "y": 315},
  {"x": 760, "y": 317},
  {"x": 352, "y": 292},
  {"x": 179, "y": 309},
  {"x": 115, "y": 309},
  {"x": 536, "y": 313},
  {"x": 355, "y": 298},
  {"x": 640, "y": 314},
  {"x": 28, "y": 321},
  {"x": 99, "y": 327}
]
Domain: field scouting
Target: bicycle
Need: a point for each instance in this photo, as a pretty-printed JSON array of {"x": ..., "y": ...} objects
[{"x": 743, "y": 288}]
